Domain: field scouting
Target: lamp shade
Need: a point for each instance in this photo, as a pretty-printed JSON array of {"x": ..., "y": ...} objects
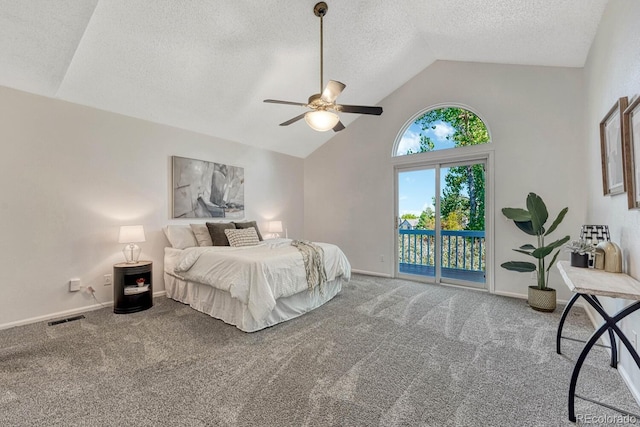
[
  {"x": 321, "y": 121},
  {"x": 131, "y": 234},
  {"x": 274, "y": 227}
]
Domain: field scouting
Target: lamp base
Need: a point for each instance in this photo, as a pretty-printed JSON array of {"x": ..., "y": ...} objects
[{"x": 131, "y": 253}]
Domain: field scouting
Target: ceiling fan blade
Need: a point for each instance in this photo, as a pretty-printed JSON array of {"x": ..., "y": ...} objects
[
  {"x": 359, "y": 109},
  {"x": 338, "y": 127},
  {"x": 332, "y": 90},
  {"x": 295, "y": 119},
  {"x": 275, "y": 101}
]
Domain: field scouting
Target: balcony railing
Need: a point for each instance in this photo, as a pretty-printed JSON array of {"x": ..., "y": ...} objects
[{"x": 462, "y": 253}]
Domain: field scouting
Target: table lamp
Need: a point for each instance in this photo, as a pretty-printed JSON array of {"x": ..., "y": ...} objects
[
  {"x": 275, "y": 228},
  {"x": 131, "y": 234}
]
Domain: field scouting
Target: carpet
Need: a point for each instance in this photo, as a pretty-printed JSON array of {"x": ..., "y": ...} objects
[{"x": 384, "y": 352}]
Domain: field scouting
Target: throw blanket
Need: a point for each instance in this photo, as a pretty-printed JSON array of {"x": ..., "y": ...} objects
[{"x": 313, "y": 257}]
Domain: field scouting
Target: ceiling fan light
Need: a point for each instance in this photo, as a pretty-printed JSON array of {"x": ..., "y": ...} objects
[{"x": 321, "y": 121}]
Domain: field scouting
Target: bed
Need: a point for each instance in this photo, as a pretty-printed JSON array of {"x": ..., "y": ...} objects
[{"x": 251, "y": 287}]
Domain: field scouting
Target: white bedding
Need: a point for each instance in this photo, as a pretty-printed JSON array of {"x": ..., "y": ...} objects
[{"x": 255, "y": 275}]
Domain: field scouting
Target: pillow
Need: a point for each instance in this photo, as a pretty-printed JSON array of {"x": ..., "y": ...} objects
[
  {"x": 180, "y": 236},
  {"x": 216, "y": 230},
  {"x": 249, "y": 224},
  {"x": 242, "y": 237},
  {"x": 201, "y": 232}
]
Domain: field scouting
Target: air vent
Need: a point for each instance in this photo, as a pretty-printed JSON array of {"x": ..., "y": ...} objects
[{"x": 68, "y": 319}]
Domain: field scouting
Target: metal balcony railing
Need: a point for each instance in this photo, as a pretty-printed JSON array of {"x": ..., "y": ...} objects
[{"x": 462, "y": 253}]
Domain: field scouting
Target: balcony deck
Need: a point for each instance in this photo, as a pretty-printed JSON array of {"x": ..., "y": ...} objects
[{"x": 451, "y": 273}]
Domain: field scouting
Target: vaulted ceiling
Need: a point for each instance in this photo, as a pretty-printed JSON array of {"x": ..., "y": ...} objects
[{"x": 206, "y": 66}]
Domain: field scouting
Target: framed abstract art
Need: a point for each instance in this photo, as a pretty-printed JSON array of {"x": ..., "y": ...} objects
[
  {"x": 611, "y": 148},
  {"x": 203, "y": 189},
  {"x": 631, "y": 119}
]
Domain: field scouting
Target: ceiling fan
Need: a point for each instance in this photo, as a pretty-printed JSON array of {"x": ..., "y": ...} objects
[{"x": 322, "y": 116}]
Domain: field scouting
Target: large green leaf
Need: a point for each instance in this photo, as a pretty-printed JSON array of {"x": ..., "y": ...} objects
[
  {"x": 517, "y": 214},
  {"x": 538, "y": 211},
  {"x": 553, "y": 260},
  {"x": 528, "y": 246},
  {"x": 526, "y": 227},
  {"x": 558, "y": 242},
  {"x": 542, "y": 252},
  {"x": 519, "y": 266},
  {"x": 524, "y": 252},
  {"x": 558, "y": 220}
]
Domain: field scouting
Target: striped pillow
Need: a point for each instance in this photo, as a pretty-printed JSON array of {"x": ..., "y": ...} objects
[{"x": 242, "y": 237}]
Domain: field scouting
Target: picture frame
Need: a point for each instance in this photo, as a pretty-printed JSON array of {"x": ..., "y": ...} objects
[
  {"x": 631, "y": 148},
  {"x": 203, "y": 189},
  {"x": 611, "y": 147}
]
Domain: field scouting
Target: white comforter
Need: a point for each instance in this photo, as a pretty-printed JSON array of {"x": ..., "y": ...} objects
[{"x": 257, "y": 275}]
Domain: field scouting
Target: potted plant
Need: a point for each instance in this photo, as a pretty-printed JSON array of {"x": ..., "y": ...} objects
[
  {"x": 531, "y": 221},
  {"x": 580, "y": 251}
]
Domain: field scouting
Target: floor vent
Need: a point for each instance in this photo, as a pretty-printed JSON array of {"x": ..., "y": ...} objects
[{"x": 68, "y": 319}]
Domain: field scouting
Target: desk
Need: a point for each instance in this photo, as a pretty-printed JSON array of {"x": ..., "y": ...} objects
[{"x": 589, "y": 283}]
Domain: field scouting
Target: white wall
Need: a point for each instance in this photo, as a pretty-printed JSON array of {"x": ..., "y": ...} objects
[
  {"x": 535, "y": 116},
  {"x": 71, "y": 175},
  {"x": 612, "y": 71}
]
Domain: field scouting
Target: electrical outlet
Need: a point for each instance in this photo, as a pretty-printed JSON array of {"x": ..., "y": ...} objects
[
  {"x": 74, "y": 285},
  {"x": 108, "y": 279}
]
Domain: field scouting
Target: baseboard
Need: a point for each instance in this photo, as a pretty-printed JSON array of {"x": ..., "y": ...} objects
[
  {"x": 627, "y": 380},
  {"x": 65, "y": 313},
  {"x": 371, "y": 273},
  {"x": 524, "y": 296},
  {"x": 57, "y": 315}
]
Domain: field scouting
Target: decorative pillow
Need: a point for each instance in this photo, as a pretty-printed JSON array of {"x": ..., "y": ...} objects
[
  {"x": 180, "y": 236},
  {"x": 216, "y": 230},
  {"x": 249, "y": 224},
  {"x": 242, "y": 237},
  {"x": 202, "y": 234}
]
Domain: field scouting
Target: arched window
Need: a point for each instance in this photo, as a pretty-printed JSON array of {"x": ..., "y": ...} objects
[{"x": 440, "y": 129}]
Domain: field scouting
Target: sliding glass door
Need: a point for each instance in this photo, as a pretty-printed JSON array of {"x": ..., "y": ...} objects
[{"x": 441, "y": 223}]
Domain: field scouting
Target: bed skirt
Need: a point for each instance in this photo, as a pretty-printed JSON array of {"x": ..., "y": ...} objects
[{"x": 219, "y": 304}]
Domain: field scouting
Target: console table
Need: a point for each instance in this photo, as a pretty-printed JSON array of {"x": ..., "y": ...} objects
[{"x": 589, "y": 283}]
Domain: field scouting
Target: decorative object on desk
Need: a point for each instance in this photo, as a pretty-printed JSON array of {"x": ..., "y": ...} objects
[
  {"x": 532, "y": 221},
  {"x": 594, "y": 234},
  {"x": 131, "y": 234},
  {"x": 275, "y": 228},
  {"x": 580, "y": 250},
  {"x": 631, "y": 147},
  {"x": 608, "y": 257},
  {"x": 204, "y": 189},
  {"x": 611, "y": 140},
  {"x": 140, "y": 281}
]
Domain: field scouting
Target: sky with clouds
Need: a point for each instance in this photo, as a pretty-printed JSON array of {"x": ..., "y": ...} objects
[
  {"x": 416, "y": 189},
  {"x": 438, "y": 134}
]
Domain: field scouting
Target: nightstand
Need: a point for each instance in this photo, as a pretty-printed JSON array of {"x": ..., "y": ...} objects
[{"x": 132, "y": 287}]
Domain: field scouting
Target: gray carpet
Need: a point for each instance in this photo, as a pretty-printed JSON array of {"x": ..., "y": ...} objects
[{"x": 382, "y": 353}]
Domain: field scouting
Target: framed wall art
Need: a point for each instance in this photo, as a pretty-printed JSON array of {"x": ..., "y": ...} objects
[
  {"x": 203, "y": 189},
  {"x": 611, "y": 142},
  {"x": 631, "y": 119}
]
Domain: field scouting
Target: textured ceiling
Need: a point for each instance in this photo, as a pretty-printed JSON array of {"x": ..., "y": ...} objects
[{"x": 206, "y": 66}]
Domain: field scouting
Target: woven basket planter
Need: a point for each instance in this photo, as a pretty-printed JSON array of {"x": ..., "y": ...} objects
[{"x": 542, "y": 300}]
